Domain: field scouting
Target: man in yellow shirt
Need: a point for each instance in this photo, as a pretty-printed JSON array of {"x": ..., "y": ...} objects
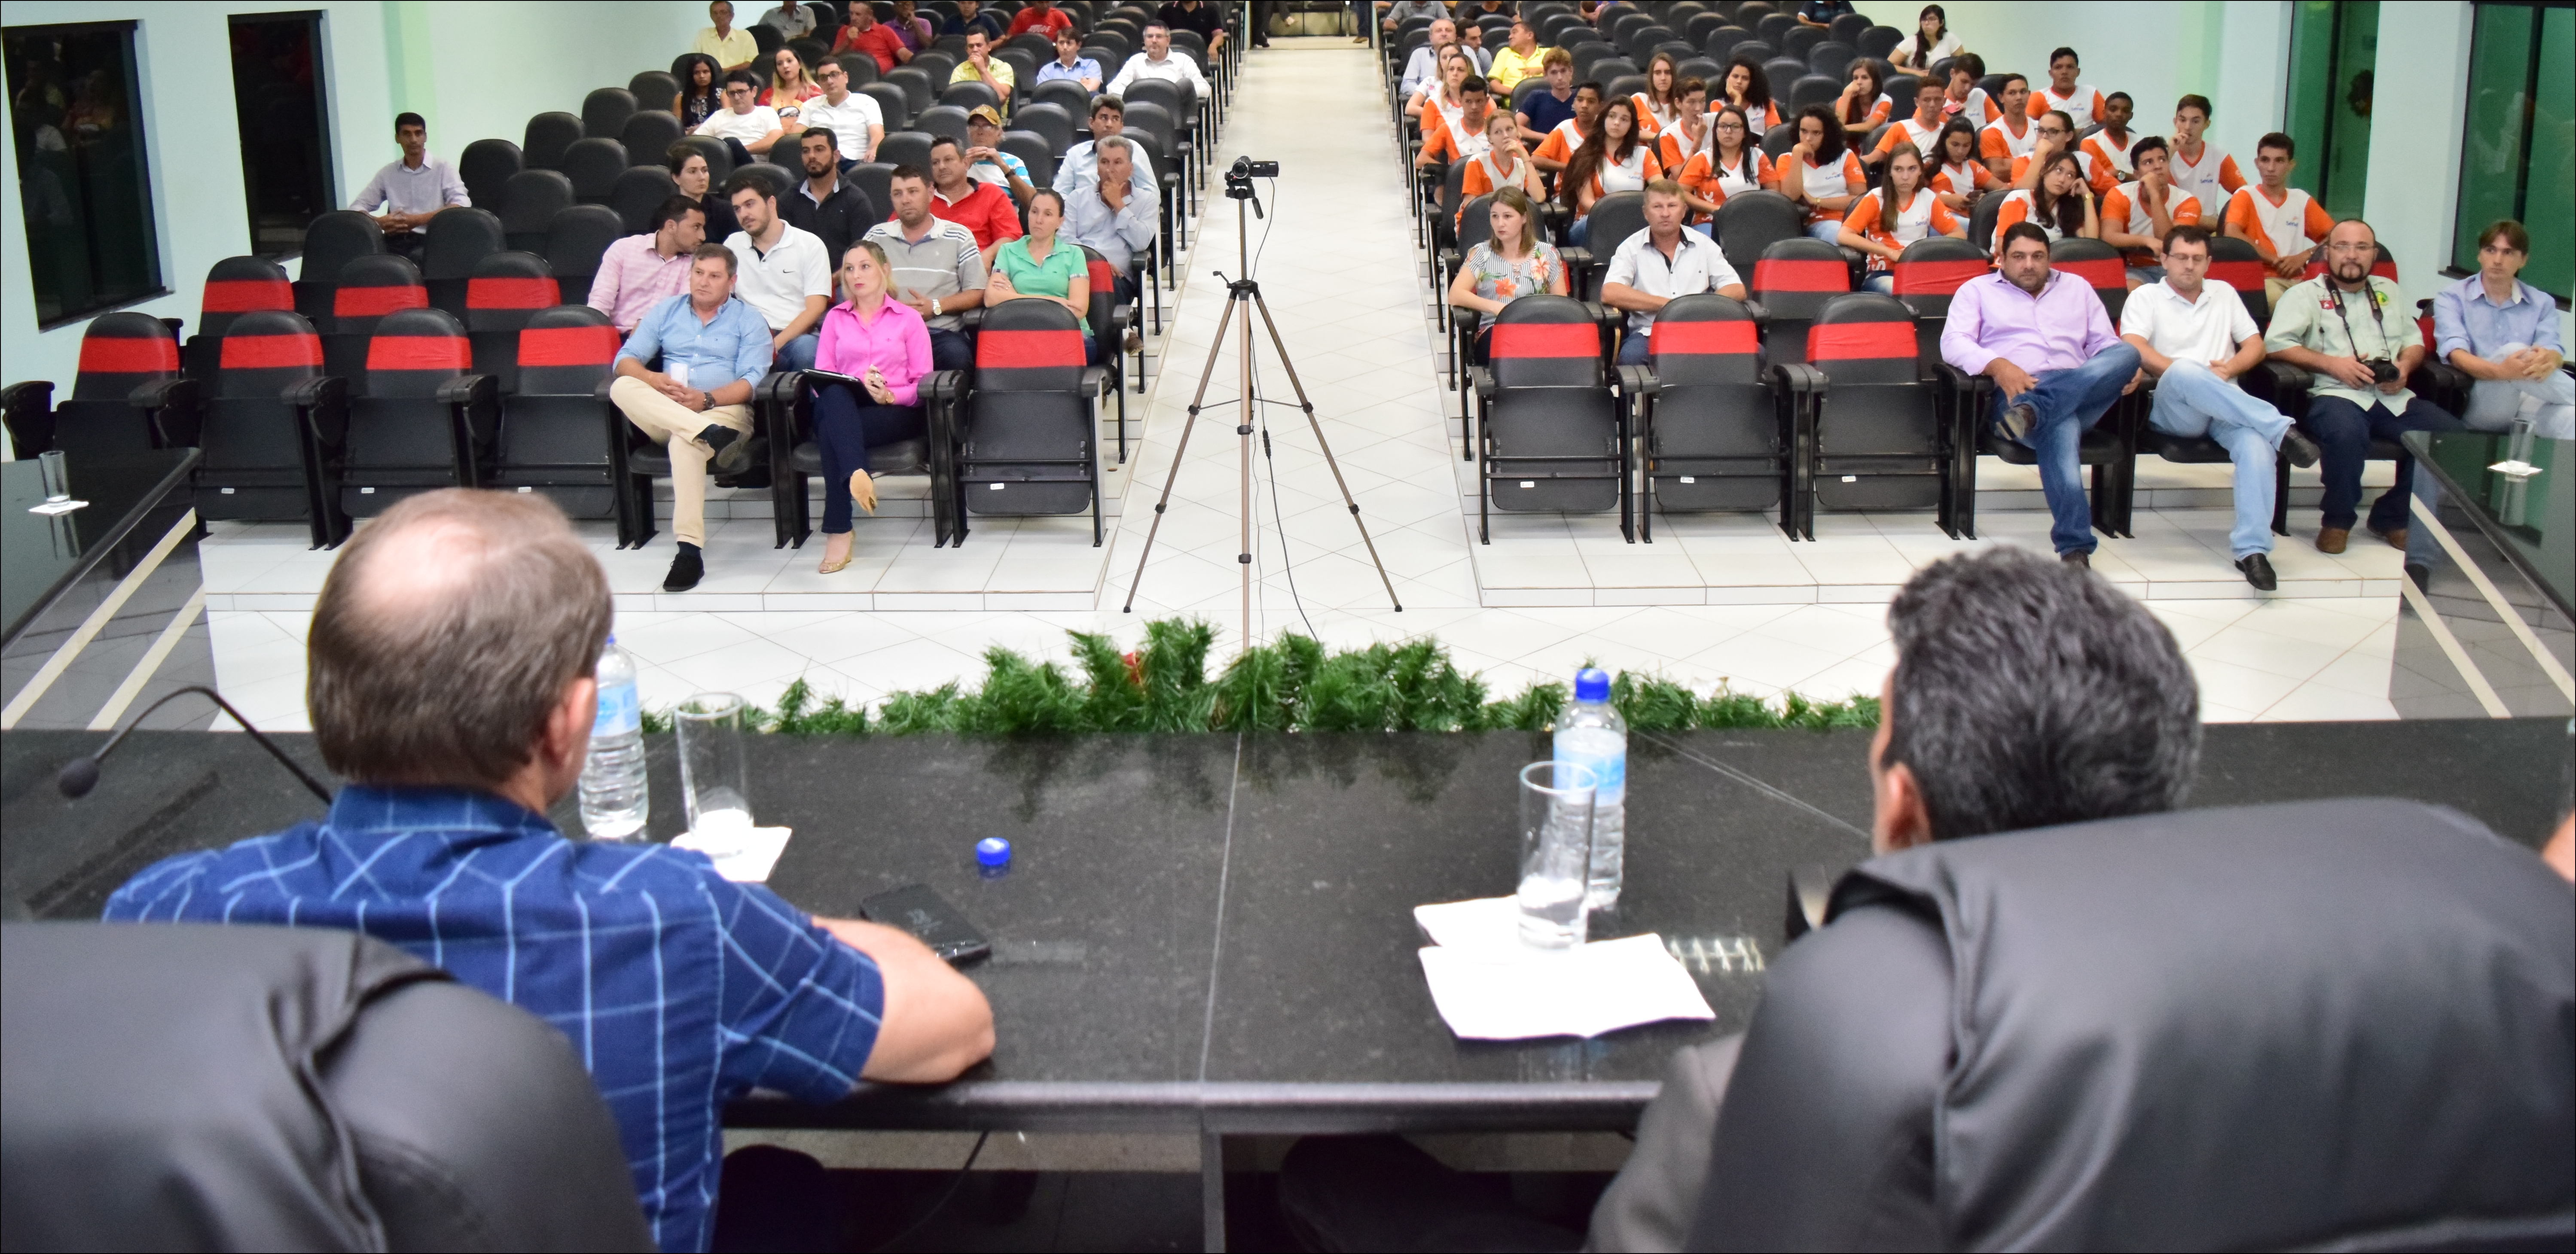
[
  {"x": 731, "y": 46},
  {"x": 980, "y": 67},
  {"x": 1518, "y": 60}
]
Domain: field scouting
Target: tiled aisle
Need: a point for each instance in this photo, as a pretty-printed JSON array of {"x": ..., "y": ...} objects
[{"x": 1337, "y": 264}]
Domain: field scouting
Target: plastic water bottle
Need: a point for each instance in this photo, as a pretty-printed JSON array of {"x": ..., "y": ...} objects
[
  {"x": 1592, "y": 733},
  {"x": 614, "y": 798}
]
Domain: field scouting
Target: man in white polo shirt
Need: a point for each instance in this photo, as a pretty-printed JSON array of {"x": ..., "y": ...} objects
[
  {"x": 2195, "y": 339},
  {"x": 1157, "y": 61},
  {"x": 853, "y": 117},
  {"x": 1660, "y": 263},
  {"x": 785, "y": 273},
  {"x": 747, "y": 129}
]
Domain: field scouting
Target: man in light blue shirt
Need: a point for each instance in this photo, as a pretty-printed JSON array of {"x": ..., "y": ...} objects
[
  {"x": 2504, "y": 333},
  {"x": 1081, "y": 163},
  {"x": 410, "y": 190},
  {"x": 1108, "y": 213},
  {"x": 1070, "y": 63},
  {"x": 713, "y": 348}
]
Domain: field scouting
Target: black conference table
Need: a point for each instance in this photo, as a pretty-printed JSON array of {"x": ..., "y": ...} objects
[
  {"x": 1212, "y": 935},
  {"x": 132, "y": 499}
]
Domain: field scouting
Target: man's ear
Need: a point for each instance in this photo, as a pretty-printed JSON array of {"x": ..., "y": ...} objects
[
  {"x": 1902, "y": 822},
  {"x": 567, "y": 734}
]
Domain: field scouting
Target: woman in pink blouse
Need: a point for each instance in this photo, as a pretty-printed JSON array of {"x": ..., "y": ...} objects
[{"x": 884, "y": 345}]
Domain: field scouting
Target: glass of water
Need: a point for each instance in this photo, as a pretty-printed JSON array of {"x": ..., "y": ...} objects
[
  {"x": 1556, "y": 842},
  {"x": 712, "y": 770}
]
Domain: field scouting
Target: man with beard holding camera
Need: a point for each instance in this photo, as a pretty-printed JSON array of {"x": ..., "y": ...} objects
[{"x": 2357, "y": 341}]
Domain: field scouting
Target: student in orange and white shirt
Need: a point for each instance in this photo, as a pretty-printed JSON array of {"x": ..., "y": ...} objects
[
  {"x": 2064, "y": 92},
  {"x": 1446, "y": 139},
  {"x": 1660, "y": 105},
  {"x": 1620, "y": 161},
  {"x": 2283, "y": 223},
  {"x": 1562, "y": 143},
  {"x": 2061, "y": 205},
  {"x": 1966, "y": 97},
  {"x": 2136, "y": 215},
  {"x": 1902, "y": 211},
  {"x": 1504, "y": 163},
  {"x": 1958, "y": 177},
  {"x": 2201, "y": 168},
  {"x": 2110, "y": 145},
  {"x": 2056, "y": 134},
  {"x": 1732, "y": 166},
  {"x": 2012, "y": 134},
  {"x": 1443, "y": 93},
  {"x": 1689, "y": 135},
  {"x": 1821, "y": 173},
  {"x": 1919, "y": 130},
  {"x": 1864, "y": 103},
  {"x": 1748, "y": 88}
]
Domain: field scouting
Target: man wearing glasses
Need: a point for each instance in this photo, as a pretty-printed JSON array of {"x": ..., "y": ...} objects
[{"x": 852, "y": 117}]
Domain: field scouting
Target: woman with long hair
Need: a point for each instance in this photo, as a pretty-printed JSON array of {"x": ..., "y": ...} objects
[
  {"x": 1820, "y": 173},
  {"x": 1735, "y": 163},
  {"x": 696, "y": 181},
  {"x": 790, "y": 83},
  {"x": 1620, "y": 161},
  {"x": 2061, "y": 204},
  {"x": 1443, "y": 93},
  {"x": 1513, "y": 262},
  {"x": 701, "y": 88},
  {"x": 1659, "y": 106},
  {"x": 1749, "y": 90},
  {"x": 1959, "y": 174},
  {"x": 1902, "y": 211},
  {"x": 884, "y": 345},
  {"x": 1930, "y": 41},
  {"x": 1039, "y": 266},
  {"x": 1864, "y": 101}
]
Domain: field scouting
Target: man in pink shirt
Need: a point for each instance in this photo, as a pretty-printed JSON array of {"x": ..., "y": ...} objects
[
  {"x": 641, "y": 269},
  {"x": 2057, "y": 364}
]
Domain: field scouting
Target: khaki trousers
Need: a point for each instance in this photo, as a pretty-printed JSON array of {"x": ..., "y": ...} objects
[
  {"x": 677, "y": 427},
  {"x": 2273, "y": 286}
]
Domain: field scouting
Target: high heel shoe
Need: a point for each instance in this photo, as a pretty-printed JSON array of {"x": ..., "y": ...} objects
[
  {"x": 863, "y": 492},
  {"x": 831, "y": 566}
]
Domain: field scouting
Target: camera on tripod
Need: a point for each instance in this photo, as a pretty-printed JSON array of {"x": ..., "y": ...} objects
[{"x": 1238, "y": 178}]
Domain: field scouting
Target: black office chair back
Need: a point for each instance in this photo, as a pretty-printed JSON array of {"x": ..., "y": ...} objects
[
  {"x": 2235, "y": 263},
  {"x": 1552, "y": 417},
  {"x": 371, "y": 289},
  {"x": 637, "y": 193},
  {"x": 1878, "y": 429},
  {"x": 1832, "y": 58},
  {"x": 331, "y": 241},
  {"x": 604, "y": 112},
  {"x": 1796, "y": 42},
  {"x": 559, "y": 436},
  {"x": 1793, "y": 279},
  {"x": 531, "y": 200},
  {"x": 910, "y": 148},
  {"x": 253, "y": 441},
  {"x": 648, "y": 137},
  {"x": 1049, "y": 122},
  {"x": 1717, "y": 438},
  {"x": 918, "y": 88},
  {"x": 234, "y": 286},
  {"x": 653, "y": 90},
  {"x": 485, "y": 165},
  {"x": 548, "y": 135},
  {"x": 121, "y": 355},
  {"x": 892, "y": 101},
  {"x": 459, "y": 240},
  {"x": 403, "y": 439},
  {"x": 1614, "y": 218},
  {"x": 1064, "y": 94},
  {"x": 2099, "y": 265},
  {"x": 861, "y": 67},
  {"x": 876, "y": 178},
  {"x": 573, "y": 241},
  {"x": 966, "y": 97},
  {"x": 935, "y": 65},
  {"x": 508, "y": 288},
  {"x": 1033, "y": 151},
  {"x": 1028, "y": 429},
  {"x": 942, "y": 121},
  {"x": 1750, "y": 222},
  {"x": 1926, "y": 276},
  {"x": 593, "y": 166}
]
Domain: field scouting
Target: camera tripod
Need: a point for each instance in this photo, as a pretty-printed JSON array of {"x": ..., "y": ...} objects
[{"x": 1240, "y": 294}]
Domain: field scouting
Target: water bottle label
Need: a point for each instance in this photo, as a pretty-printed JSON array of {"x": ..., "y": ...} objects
[{"x": 619, "y": 712}]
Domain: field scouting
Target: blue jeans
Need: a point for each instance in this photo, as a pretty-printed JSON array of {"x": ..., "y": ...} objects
[
  {"x": 2068, "y": 403},
  {"x": 2344, "y": 430},
  {"x": 799, "y": 353},
  {"x": 951, "y": 350},
  {"x": 2191, "y": 401},
  {"x": 1830, "y": 230},
  {"x": 1633, "y": 347},
  {"x": 1883, "y": 283},
  {"x": 1578, "y": 233},
  {"x": 846, "y": 425}
]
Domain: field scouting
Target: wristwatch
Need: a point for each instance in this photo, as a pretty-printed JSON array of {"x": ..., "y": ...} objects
[{"x": 934, "y": 306}]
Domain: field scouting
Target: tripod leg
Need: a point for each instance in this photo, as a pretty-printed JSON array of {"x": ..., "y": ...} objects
[
  {"x": 1327, "y": 449},
  {"x": 1216, "y": 344}
]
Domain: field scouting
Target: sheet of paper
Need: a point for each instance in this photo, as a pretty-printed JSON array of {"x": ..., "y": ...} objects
[
  {"x": 1485, "y": 925},
  {"x": 743, "y": 855},
  {"x": 1489, "y": 986}
]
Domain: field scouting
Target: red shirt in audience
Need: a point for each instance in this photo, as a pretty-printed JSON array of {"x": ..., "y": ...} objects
[
  {"x": 879, "y": 41},
  {"x": 985, "y": 209}
]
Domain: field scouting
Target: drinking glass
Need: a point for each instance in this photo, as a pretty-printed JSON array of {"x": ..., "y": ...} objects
[
  {"x": 712, "y": 770},
  {"x": 1556, "y": 841}
]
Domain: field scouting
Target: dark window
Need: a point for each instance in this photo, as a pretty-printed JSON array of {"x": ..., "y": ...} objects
[
  {"x": 2334, "y": 46},
  {"x": 2516, "y": 162},
  {"x": 84, "y": 175},
  {"x": 285, "y": 121}
]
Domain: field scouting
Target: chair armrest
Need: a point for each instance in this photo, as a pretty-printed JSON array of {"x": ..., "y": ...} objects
[
  {"x": 2440, "y": 376},
  {"x": 1483, "y": 379},
  {"x": 2282, "y": 385},
  {"x": 600, "y": 393},
  {"x": 782, "y": 387},
  {"x": 318, "y": 399},
  {"x": 173, "y": 391},
  {"x": 171, "y": 407},
  {"x": 1798, "y": 376},
  {"x": 1095, "y": 381},
  {"x": 1761, "y": 313},
  {"x": 943, "y": 385},
  {"x": 28, "y": 410},
  {"x": 971, "y": 319},
  {"x": 1637, "y": 381},
  {"x": 1575, "y": 258},
  {"x": 473, "y": 391}
]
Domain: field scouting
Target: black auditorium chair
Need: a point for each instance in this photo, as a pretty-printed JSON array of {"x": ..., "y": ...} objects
[
  {"x": 2107, "y": 447},
  {"x": 910, "y": 148},
  {"x": 942, "y": 121},
  {"x": 574, "y": 240},
  {"x": 918, "y": 88},
  {"x": 529, "y": 202},
  {"x": 637, "y": 193},
  {"x": 654, "y": 90},
  {"x": 1475, "y": 226},
  {"x": 332, "y": 240},
  {"x": 1067, "y": 95},
  {"x": 2285, "y": 388},
  {"x": 1777, "y": 141},
  {"x": 2235, "y": 263},
  {"x": 1049, "y": 121},
  {"x": 129, "y": 396},
  {"x": 1926, "y": 276},
  {"x": 1750, "y": 222},
  {"x": 719, "y": 159},
  {"x": 1034, "y": 151},
  {"x": 1813, "y": 89},
  {"x": 459, "y": 240},
  {"x": 1798, "y": 41},
  {"x": 548, "y": 136},
  {"x": 419, "y": 417},
  {"x": 876, "y": 178},
  {"x": 272, "y": 431},
  {"x": 861, "y": 68},
  {"x": 1022, "y": 431},
  {"x": 648, "y": 137},
  {"x": 234, "y": 286},
  {"x": 371, "y": 289},
  {"x": 1848, "y": 28},
  {"x": 560, "y": 437},
  {"x": 892, "y": 101},
  {"x": 1879, "y": 41},
  {"x": 935, "y": 65},
  {"x": 593, "y": 166},
  {"x": 604, "y": 112},
  {"x": 1793, "y": 280},
  {"x": 1983, "y": 220},
  {"x": 1718, "y": 430},
  {"x": 202, "y": 1087},
  {"x": 1832, "y": 58},
  {"x": 507, "y": 289},
  {"x": 1615, "y": 217},
  {"x": 485, "y": 165},
  {"x": 1881, "y": 437},
  {"x": 795, "y": 458},
  {"x": 969, "y": 96},
  {"x": 1552, "y": 436},
  {"x": 1108, "y": 324},
  {"x": 2097, "y": 264}
]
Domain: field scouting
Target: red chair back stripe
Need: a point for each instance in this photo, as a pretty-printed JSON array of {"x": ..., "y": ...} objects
[
  {"x": 102, "y": 354},
  {"x": 2099, "y": 272},
  {"x": 375, "y": 302},
  {"x": 2244, "y": 276},
  {"x": 512, "y": 293},
  {"x": 1782, "y": 274},
  {"x": 1020, "y": 350},
  {"x": 568, "y": 346},
  {"x": 1705, "y": 337},
  {"x": 1934, "y": 278},
  {"x": 1846, "y": 341},
  {"x": 271, "y": 352},
  {"x": 1102, "y": 277},
  {"x": 248, "y": 295},
  {"x": 1546, "y": 339},
  {"x": 419, "y": 352}
]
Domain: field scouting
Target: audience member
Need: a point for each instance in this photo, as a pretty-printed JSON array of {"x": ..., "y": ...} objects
[
  {"x": 1110, "y": 216},
  {"x": 2136, "y": 216},
  {"x": 1157, "y": 62},
  {"x": 981, "y": 67},
  {"x": 790, "y": 19},
  {"x": 747, "y": 128},
  {"x": 1749, "y": 90},
  {"x": 1471, "y": 44},
  {"x": 1559, "y": 145},
  {"x": 2283, "y": 223},
  {"x": 1446, "y": 94},
  {"x": 1541, "y": 112},
  {"x": 1959, "y": 176},
  {"x": 937, "y": 266},
  {"x": 2109, "y": 146},
  {"x": 2357, "y": 370},
  {"x": 790, "y": 83},
  {"x": 696, "y": 181},
  {"x": 449, "y": 681},
  {"x": 1653, "y": 266},
  {"x": 1081, "y": 163},
  {"x": 1931, "y": 43},
  {"x": 852, "y": 116},
  {"x": 1820, "y": 172},
  {"x": 2055, "y": 135},
  {"x": 1966, "y": 97},
  {"x": 1821, "y": 13},
  {"x": 835, "y": 210},
  {"x": 2045, "y": 340},
  {"x": 1508, "y": 264},
  {"x": 2201, "y": 168},
  {"x": 781, "y": 270},
  {"x": 2063, "y": 92},
  {"x": 1732, "y": 165},
  {"x": 1401, "y": 11},
  {"x": 2503, "y": 333},
  {"x": 1198, "y": 16},
  {"x": 1919, "y": 130},
  {"x": 916, "y": 32},
  {"x": 1688, "y": 137},
  {"x": 2012, "y": 134},
  {"x": 713, "y": 349},
  {"x": 1447, "y": 137},
  {"x": 731, "y": 46},
  {"x": 981, "y": 208},
  {"x": 1504, "y": 163},
  {"x": 885, "y": 346},
  {"x": 1070, "y": 64},
  {"x": 987, "y": 163},
  {"x": 971, "y": 15},
  {"x": 2196, "y": 339},
  {"x": 701, "y": 89},
  {"x": 2059, "y": 207},
  {"x": 1660, "y": 105},
  {"x": 1618, "y": 162},
  {"x": 1518, "y": 59},
  {"x": 1902, "y": 211},
  {"x": 864, "y": 33},
  {"x": 1864, "y": 102},
  {"x": 412, "y": 190},
  {"x": 641, "y": 271},
  {"x": 1038, "y": 266},
  {"x": 1038, "y": 15}
]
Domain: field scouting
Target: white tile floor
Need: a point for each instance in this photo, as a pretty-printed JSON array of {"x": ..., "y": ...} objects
[{"x": 1724, "y": 599}]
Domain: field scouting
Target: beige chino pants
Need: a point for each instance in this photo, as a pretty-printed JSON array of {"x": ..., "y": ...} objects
[{"x": 677, "y": 427}]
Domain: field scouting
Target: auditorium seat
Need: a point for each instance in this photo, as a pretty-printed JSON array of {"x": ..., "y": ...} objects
[
  {"x": 419, "y": 418},
  {"x": 1750, "y": 222},
  {"x": 507, "y": 289},
  {"x": 1108, "y": 324},
  {"x": 1926, "y": 276},
  {"x": 592, "y": 166},
  {"x": 1067, "y": 95},
  {"x": 637, "y": 193},
  {"x": 575, "y": 238},
  {"x": 370, "y": 289},
  {"x": 966, "y": 97},
  {"x": 648, "y": 138},
  {"x": 861, "y": 68},
  {"x": 604, "y": 112},
  {"x": 548, "y": 135},
  {"x": 1023, "y": 430},
  {"x": 1552, "y": 437},
  {"x": 1716, "y": 429},
  {"x": 1883, "y": 436},
  {"x": 892, "y": 101},
  {"x": 796, "y": 459},
  {"x": 2097, "y": 264},
  {"x": 942, "y": 121},
  {"x": 560, "y": 437},
  {"x": 1793, "y": 280},
  {"x": 529, "y": 202},
  {"x": 1033, "y": 150},
  {"x": 234, "y": 286},
  {"x": 331, "y": 241},
  {"x": 654, "y": 90},
  {"x": 918, "y": 88},
  {"x": 485, "y": 165},
  {"x": 910, "y": 148},
  {"x": 273, "y": 427},
  {"x": 459, "y": 240},
  {"x": 2235, "y": 263},
  {"x": 128, "y": 397}
]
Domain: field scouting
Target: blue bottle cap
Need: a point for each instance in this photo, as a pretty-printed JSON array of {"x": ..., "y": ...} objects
[
  {"x": 992, "y": 851},
  {"x": 1591, "y": 684}
]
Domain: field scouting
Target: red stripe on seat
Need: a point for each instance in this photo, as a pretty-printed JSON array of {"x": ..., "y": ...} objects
[
  {"x": 1101, "y": 277},
  {"x": 1545, "y": 339},
  {"x": 2244, "y": 276},
  {"x": 270, "y": 352},
  {"x": 1786, "y": 275},
  {"x": 248, "y": 295},
  {"x": 1847, "y": 341},
  {"x": 1020, "y": 350},
  {"x": 512, "y": 293},
  {"x": 102, "y": 354},
  {"x": 375, "y": 302},
  {"x": 568, "y": 346},
  {"x": 1704, "y": 337},
  {"x": 2100, "y": 272},
  {"x": 1935, "y": 278},
  {"x": 419, "y": 352}
]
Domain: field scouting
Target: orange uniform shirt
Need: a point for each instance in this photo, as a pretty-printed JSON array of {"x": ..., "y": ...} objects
[
  {"x": 2291, "y": 225},
  {"x": 1999, "y": 141},
  {"x": 2097, "y": 172},
  {"x": 1440, "y": 141},
  {"x": 2123, "y": 211},
  {"x": 1701, "y": 177},
  {"x": 1964, "y": 180},
  {"x": 1924, "y": 216},
  {"x": 1835, "y": 179},
  {"x": 2082, "y": 104},
  {"x": 1560, "y": 143}
]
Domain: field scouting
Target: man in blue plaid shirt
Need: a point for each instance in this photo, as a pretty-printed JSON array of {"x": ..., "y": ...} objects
[{"x": 450, "y": 681}]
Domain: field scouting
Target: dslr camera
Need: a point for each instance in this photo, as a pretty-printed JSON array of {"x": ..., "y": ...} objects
[{"x": 2382, "y": 370}]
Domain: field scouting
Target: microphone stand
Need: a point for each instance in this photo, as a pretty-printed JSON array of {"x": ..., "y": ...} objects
[{"x": 80, "y": 775}]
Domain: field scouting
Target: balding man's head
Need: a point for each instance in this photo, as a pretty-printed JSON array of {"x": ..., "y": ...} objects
[{"x": 445, "y": 637}]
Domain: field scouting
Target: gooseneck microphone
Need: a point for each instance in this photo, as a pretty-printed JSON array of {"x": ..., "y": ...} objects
[{"x": 80, "y": 775}]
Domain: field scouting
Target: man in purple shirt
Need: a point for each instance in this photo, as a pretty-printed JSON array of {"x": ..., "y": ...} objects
[
  {"x": 640, "y": 270},
  {"x": 2057, "y": 364}
]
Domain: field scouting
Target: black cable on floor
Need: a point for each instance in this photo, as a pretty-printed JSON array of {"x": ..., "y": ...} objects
[{"x": 945, "y": 1196}]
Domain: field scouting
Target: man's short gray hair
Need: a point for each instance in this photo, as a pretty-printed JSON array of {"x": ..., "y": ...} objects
[
  {"x": 1115, "y": 143},
  {"x": 441, "y": 663}
]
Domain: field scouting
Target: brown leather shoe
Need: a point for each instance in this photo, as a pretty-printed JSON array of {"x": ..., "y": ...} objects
[
  {"x": 2331, "y": 539},
  {"x": 2395, "y": 536}
]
